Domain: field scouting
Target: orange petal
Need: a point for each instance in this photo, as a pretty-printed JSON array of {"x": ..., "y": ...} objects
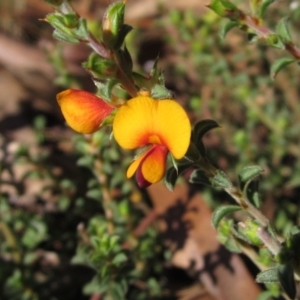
[
  {"x": 152, "y": 164},
  {"x": 143, "y": 120},
  {"x": 83, "y": 111}
]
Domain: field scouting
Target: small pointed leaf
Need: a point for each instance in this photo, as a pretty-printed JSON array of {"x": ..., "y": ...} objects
[
  {"x": 221, "y": 212},
  {"x": 264, "y": 5},
  {"x": 57, "y": 34},
  {"x": 286, "y": 279},
  {"x": 225, "y": 9},
  {"x": 201, "y": 128},
  {"x": 275, "y": 40},
  {"x": 156, "y": 74},
  {"x": 124, "y": 60},
  {"x": 192, "y": 153},
  {"x": 220, "y": 180},
  {"x": 198, "y": 177},
  {"x": 114, "y": 29},
  {"x": 249, "y": 173},
  {"x": 268, "y": 276},
  {"x": 279, "y": 64},
  {"x": 173, "y": 174},
  {"x": 252, "y": 193},
  {"x": 119, "y": 259},
  {"x": 160, "y": 92},
  {"x": 227, "y": 27},
  {"x": 106, "y": 91},
  {"x": 238, "y": 235},
  {"x": 283, "y": 30}
]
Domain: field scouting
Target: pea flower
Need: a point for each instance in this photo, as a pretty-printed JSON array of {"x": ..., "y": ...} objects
[
  {"x": 83, "y": 111},
  {"x": 156, "y": 126}
]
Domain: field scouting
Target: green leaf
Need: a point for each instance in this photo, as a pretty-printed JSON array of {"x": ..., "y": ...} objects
[
  {"x": 59, "y": 35},
  {"x": 225, "y": 9},
  {"x": 141, "y": 81},
  {"x": 35, "y": 233},
  {"x": 119, "y": 259},
  {"x": 247, "y": 230},
  {"x": 86, "y": 161},
  {"x": 227, "y": 27},
  {"x": 221, "y": 212},
  {"x": 156, "y": 74},
  {"x": 232, "y": 245},
  {"x": 192, "y": 153},
  {"x": 116, "y": 292},
  {"x": 82, "y": 31},
  {"x": 220, "y": 180},
  {"x": 100, "y": 67},
  {"x": 114, "y": 29},
  {"x": 94, "y": 194},
  {"x": 199, "y": 177},
  {"x": 160, "y": 92},
  {"x": 107, "y": 89},
  {"x": 124, "y": 61},
  {"x": 68, "y": 27},
  {"x": 94, "y": 287},
  {"x": 264, "y": 5},
  {"x": 173, "y": 174},
  {"x": 70, "y": 20},
  {"x": 238, "y": 234},
  {"x": 252, "y": 193},
  {"x": 249, "y": 187},
  {"x": 274, "y": 40},
  {"x": 199, "y": 130},
  {"x": 266, "y": 295},
  {"x": 249, "y": 173},
  {"x": 286, "y": 279},
  {"x": 268, "y": 276},
  {"x": 125, "y": 29},
  {"x": 113, "y": 241},
  {"x": 283, "y": 30},
  {"x": 279, "y": 64}
]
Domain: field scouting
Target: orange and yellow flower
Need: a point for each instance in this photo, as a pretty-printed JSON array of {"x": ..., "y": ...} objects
[
  {"x": 83, "y": 111},
  {"x": 161, "y": 126},
  {"x": 158, "y": 127}
]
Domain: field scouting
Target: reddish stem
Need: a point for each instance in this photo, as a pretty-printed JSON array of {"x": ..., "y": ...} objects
[{"x": 263, "y": 32}]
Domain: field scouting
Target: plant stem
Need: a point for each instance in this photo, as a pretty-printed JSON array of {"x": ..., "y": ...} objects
[
  {"x": 106, "y": 197},
  {"x": 272, "y": 244},
  {"x": 263, "y": 32},
  {"x": 126, "y": 81},
  {"x": 98, "y": 47}
]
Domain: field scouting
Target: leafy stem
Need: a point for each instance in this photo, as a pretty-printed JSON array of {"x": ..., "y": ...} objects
[{"x": 264, "y": 32}]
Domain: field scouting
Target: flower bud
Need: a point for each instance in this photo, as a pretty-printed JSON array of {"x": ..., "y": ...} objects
[
  {"x": 84, "y": 112},
  {"x": 226, "y": 9},
  {"x": 114, "y": 29}
]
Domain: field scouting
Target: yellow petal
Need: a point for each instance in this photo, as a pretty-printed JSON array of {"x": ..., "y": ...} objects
[
  {"x": 143, "y": 120},
  {"x": 135, "y": 164},
  {"x": 83, "y": 111}
]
